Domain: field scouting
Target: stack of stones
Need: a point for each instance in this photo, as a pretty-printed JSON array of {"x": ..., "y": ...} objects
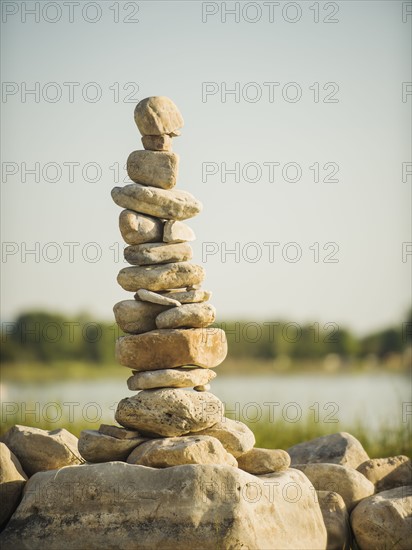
[{"x": 167, "y": 344}]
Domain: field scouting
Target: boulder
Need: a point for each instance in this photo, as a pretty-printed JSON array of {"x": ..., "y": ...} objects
[
  {"x": 160, "y": 277},
  {"x": 155, "y": 298},
  {"x": 339, "y": 448},
  {"x": 157, "y": 253},
  {"x": 387, "y": 473},
  {"x": 175, "y": 451},
  {"x": 137, "y": 228},
  {"x": 169, "y": 348},
  {"x": 39, "y": 450},
  {"x": 384, "y": 520},
  {"x": 95, "y": 446},
  {"x": 335, "y": 516},
  {"x": 156, "y": 168},
  {"x": 157, "y": 143},
  {"x": 264, "y": 461},
  {"x": 169, "y": 412},
  {"x": 157, "y": 115},
  {"x": 169, "y": 378},
  {"x": 177, "y": 232},
  {"x": 188, "y": 315},
  {"x": 12, "y": 481},
  {"x": 235, "y": 436},
  {"x": 121, "y": 506},
  {"x": 136, "y": 317}
]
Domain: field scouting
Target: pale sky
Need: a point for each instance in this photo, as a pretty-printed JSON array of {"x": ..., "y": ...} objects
[{"x": 358, "y": 63}]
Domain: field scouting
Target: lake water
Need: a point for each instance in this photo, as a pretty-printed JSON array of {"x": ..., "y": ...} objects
[{"x": 340, "y": 399}]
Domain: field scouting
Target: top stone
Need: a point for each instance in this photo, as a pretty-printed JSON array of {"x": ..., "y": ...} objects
[{"x": 157, "y": 115}]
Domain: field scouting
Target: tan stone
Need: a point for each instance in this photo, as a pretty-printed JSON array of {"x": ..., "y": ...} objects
[
  {"x": 136, "y": 317},
  {"x": 157, "y": 115},
  {"x": 159, "y": 277},
  {"x": 235, "y": 436},
  {"x": 264, "y": 461},
  {"x": 137, "y": 228},
  {"x": 161, "y": 203},
  {"x": 157, "y": 253},
  {"x": 177, "y": 232},
  {"x": 188, "y": 315},
  {"x": 169, "y": 378},
  {"x": 12, "y": 481},
  {"x": 169, "y": 412},
  {"x": 175, "y": 451},
  {"x": 156, "y": 168},
  {"x": 169, "y": 348},
  {"x": 118, "y": 432},
  {"x": 189, "y": 296},
  {"x": 155, "y": 298},
  {"x": 157, "y": 143},
  {"x": 335, "y": 516},
  {"x": 97, "y": 447},
  {"x": 387, "y": 473}
]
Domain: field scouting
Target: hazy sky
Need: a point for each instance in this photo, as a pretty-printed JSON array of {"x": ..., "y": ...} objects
[{"x": 312, "y": 99}]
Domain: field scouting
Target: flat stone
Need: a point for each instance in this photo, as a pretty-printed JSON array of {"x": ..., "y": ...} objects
[
  {"x": 118, "y": 432},
  {"x": 136, "y": 317},
  {"x": 335, "y": 516},
  {"x": 188, "y": 315},
  {"x": 339, "y": 448},
  {"x": 39, "y": 450},
  {"x": 169, "y": 412},
  {"x": 235, "y": 436},
  {"x": 175, "y": 451},
  {"x": 123, "y": 506},
  {"x": 157, "y": 143},
  {"x": 384, "y": 520},
  {"x": 189, "y": 296},
  {"x": 177, "y": 232},
  {"x": 344, "y": 480},
  {"x": 97, "y": 447},
  {"x": 155, "y": 298},
  {"x": 387, "y": 473},
  {"x": 169, "y": 348},
  {"x": 157, "y": 115},
  {"x": 161, "y": 203},
  {"x": 159, "y": 277},
  {"x": 137, "y": 228},
  {"x": 156, "y": 168},
  {"x": 12, "y": 481},
  {"x": 157, "y": 253},
  {"x": 169, "y": 378},
  {"x": 202, "y": 387},
  {"x": 264, "y": 461}
]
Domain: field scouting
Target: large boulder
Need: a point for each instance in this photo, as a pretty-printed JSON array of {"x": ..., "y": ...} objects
[
  {"x": 339, "y": 448},
  {"x": 384, "y": 520},
  {"x": 335, "y": 516},
  {"x": 95, "y": 446},
  {"x": 12, "y": 481},
  {"x": 123, "y": 507},
  {"x": 39, "y": 450},
  {"x": 387, "y": 473}
]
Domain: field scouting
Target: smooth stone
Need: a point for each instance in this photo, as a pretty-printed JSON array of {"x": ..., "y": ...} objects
[
  {"x": 202, "y": 387},
  {"x": 157, "y": 143},
  {"x": 169, "y": 378},
  {"x": 235, "y": 436},
  {"x": 118, "y": 432},
  {"x": 175, "y": 451},
  {"x": 161, "y": 203},
  {"x": 155, "y": 298},
  {"x": 157, "y": 115},
  {"x": 12, "y": 481},
  {"x": 335, "y": 516},
  {"x": 159, "y": 277},
  {"x": 123, "y": 506},
  {"x": 189, "y": 296},
  {"x": 384, "y": 520},
  {"x": 39, "y": 450},
  {"x": 344, "y": 480},
  {"x": 387, "y": 473},
  {"x": 177, "y": 232},
  {"x": 97, "y": 447},
  {"x": 156, "y": 168},
  {"x": 169, "y": 412},
  {"x": 338, "y": 448},
  {"x": 137, "y": 228},
  {"x": 188, "y": 315},
  {"x": 136, "y": 317},
  {"x": 264, "y": 461},
  {"x": 157, "y": 253},
  {"x": 169, "y": 348}
]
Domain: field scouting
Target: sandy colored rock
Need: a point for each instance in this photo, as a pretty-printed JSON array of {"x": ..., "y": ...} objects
[
  {"x": 136, "y": 317},
  {"x": 387, "y": 473},
  {"x": 97, "y": 447},
  {"x": 157, "y": 115},
  {"x": 177, "y": 232},
  {"x": 38, "y": 450},
  {"x": 347, "y": 482},
  {"x": 154, "y": 297},
  {"x": 188, "y": 315},
  {"x": 335, "y": 516},
  {"x": 118, "y": 431},
  {"x": 159, "y": 277},
  {"x": 384, "y": 520},
  {"x": 189, "y": 296},
  {"x": 169, "y": 378},
  {"x": 202, "y": 387},
  {"x": 169, "y": 412},
  {"x": 264, "y": 461},
  {"x": 161, "y": 203},
  {"x": 169, "y": 348},
  {"x": 156, "y": 168},
  {"x": 175, "y": 451},
  {"x": 157, "y": 253},
  {"x": 119, "y": 506},
  {"x": 157, "y": 143},
  {"x": 235, "y": 436},
  {"x": 339, "y": 448},
  {"x": 137, "y": 228},
  {"x": 12, "y": 481}
]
